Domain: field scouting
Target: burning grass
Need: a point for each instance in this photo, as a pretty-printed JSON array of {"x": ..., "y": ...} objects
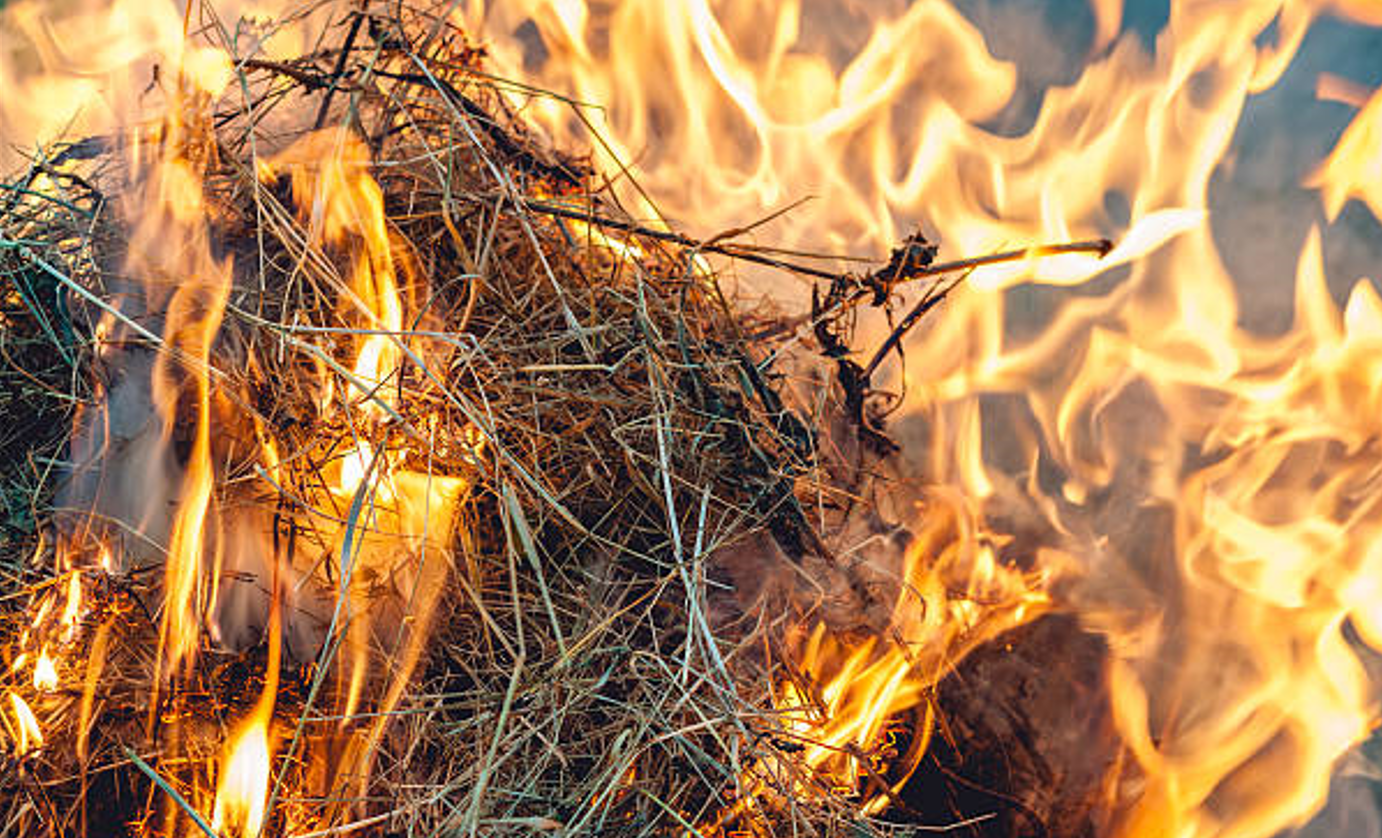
[
  {"x": 413, "y": 487},
  {"x": 370, "y": 382}
]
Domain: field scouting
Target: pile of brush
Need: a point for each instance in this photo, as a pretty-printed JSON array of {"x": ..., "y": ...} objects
[{"x": 335, "y": 286}]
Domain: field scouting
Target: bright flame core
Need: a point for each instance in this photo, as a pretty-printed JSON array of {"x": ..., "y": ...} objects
[
  {"x": 24, "y": 730},
  {"x": 243, "y": 791}
]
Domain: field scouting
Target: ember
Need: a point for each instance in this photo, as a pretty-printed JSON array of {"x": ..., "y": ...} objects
[{"x": 391, "y": 462}]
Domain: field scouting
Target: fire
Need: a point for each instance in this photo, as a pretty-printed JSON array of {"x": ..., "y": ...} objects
[
  {"x": 72, "y": 611},
  {"x": 402, "y": 514},
  {"x": 1210, "y": 493},
  {"x": 194, "y": 316},
  {"x": 23, "y": 729},
  {"x": 244, "y": 788},
  {"x": 45, "y": 672},
  {"x": 242, "y": 793},
  {"x": 1353, "y": 169},
  {"x": 843, "y": 708},
  {"x": 407, "y": 512}
]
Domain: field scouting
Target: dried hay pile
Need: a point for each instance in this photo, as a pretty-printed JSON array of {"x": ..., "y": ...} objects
[{"x": 586, "y": 666}]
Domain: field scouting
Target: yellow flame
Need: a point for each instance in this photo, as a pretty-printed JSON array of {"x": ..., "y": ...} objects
[
  {"x": 243, "y": 790},
  {"x": 409, "y": 515},
  {"x": 343, "y": 204},
  {"x": 72, "y": 611},
  {"x": 45, "y": 672},
  {"x": 956, "y": 596},
  {"x": 593, "y": 236},
  {"x": 1354, "y": 168},
  {"x": 27, "y": 734},
  {"x": 1239, "y": 688},
  {"x": 170, "y": 252}
]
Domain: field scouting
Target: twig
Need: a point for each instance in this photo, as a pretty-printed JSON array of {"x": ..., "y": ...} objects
[
  {"x": 933, "y": 298},
  {"x": 928, "y": 301},
  {"x": 1098, "y": 246},
  {"x": 339, "y": 69},
  {"x": 1101, "y": 247},
  {"x": 558, "y": 211}
]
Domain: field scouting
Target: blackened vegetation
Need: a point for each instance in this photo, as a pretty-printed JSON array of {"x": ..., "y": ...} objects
[
  {"x": 831, "y": 316},
  {"x": 1026, "y": 747}
]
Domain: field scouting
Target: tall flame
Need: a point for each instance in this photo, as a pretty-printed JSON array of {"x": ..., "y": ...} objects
[
  {"x": 405, "y": 516},
  {"x": 191, "y": 287}
]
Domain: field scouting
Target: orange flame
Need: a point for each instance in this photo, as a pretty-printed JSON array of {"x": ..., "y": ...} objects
[
  {"x": 1235, "y": 678},
  {"x": 407, "y": 515},
  {"x": 956, "y": 595}
]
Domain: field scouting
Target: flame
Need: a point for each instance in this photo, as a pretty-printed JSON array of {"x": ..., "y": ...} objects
[
  {"x": 406, "y": 514},
  {"x": 242, "y": 792},
  {"x": 1353, "y": 169},
  {"x": 843, "y": 709},
  {"x": 244, "y": 788},
  {"x": 344, "y": 205},
  {"x": 25, "y": 732},
  {"x": 45, "y": 672},
  {"x": 406, "y": 523},
  {"x": 1234, "y": 626},
  {"x": 72, "y": 611}
]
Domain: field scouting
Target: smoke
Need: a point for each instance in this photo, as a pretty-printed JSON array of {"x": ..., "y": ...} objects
[
  {"x": 1355, "y": 804},
  {"x": 124, "y": 486}
]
